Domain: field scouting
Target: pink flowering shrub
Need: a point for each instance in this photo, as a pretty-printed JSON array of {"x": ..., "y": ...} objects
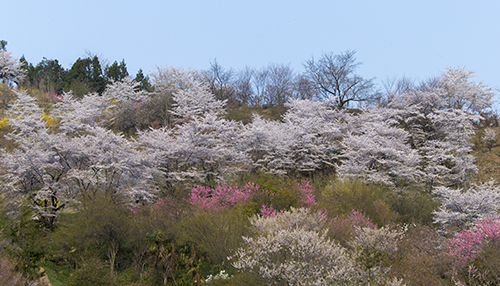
[
  {"x": 53, "y": 96},
  {"x": 299, "y": 194},
  {"x": 266, "y": 211},
  {"x": 221, "y": 197},
  {"x": 305, "y": 192},
  {"x": 468, "y": 243}
]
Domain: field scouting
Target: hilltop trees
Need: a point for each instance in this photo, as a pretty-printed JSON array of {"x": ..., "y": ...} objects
[
  {"x": 116, "y": 72},
  {"x": 334, "y": 77},
  {"x": 47, "y": 76},
  {"x": 464, "y": 94},
  {"x": 86, "y": 75},
  {"x": 440, "y": 132}
]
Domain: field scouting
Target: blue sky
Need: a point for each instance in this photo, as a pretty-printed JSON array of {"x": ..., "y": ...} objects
[{"x": 417, "y": 39}]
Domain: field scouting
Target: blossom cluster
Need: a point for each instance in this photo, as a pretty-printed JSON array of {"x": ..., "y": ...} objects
[{"x": 467, "y": 244}]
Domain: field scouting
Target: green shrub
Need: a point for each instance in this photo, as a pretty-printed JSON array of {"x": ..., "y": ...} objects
[
  {"x": 214, "y": 232},
  {"x": 342, "y": 196},
  {"x": 93, "y": 272},
  {"x": 27, "y": 242},
  {"x": 413, "y": 206}
]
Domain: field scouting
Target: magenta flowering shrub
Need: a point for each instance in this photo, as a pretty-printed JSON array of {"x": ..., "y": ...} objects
[
  {"x": 168, "y": 205},
  {"x": 223, "y": 196},
  {"x": 266, "y": 211},
  {"x": 354, "y": 219},
  {"x": 305, "y": 193},
  {"x": 467, "y": 244}
]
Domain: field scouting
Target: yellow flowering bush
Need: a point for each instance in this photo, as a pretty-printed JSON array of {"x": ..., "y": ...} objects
[
  {"x": 4, "y": 122},
  {"x": 51, "y": 121}
]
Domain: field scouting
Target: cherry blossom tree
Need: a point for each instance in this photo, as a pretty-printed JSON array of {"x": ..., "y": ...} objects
[
  {"x": 197, "y": 100},
  {"x": 10, "y": 69},
  {"x": 489, "y": 138},
  {"x": 53, "y": 166},
  {"x": 440, "y": 133},
  {"x": 460, "y": 207},
  {"x": 378, "y": 151},
  {"x": 124, "y": 90},
  {"x": 291, "y": 247},
  {"x": 464, "y": 94},
  {"x": 202, "y": 146},
  {"x": 305, "y": 140}
]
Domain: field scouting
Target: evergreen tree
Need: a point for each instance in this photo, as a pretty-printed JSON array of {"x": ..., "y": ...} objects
[
  {"x": 86, "y": 76},
  {"x": 143, "y": 81},
  {"x": 116, "y": 72},
  {"x": 47, "y": 75}
]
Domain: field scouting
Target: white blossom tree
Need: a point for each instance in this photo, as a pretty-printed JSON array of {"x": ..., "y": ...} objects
[
  {"x": 197, "y": 100},
  {"x": 305, "y": 140},
  {"x": 292, "y": 248},
  {"x": 378, "y": 151},
  {"x": 53, "y": 166},
  {"x": 462, "y": 93},
  {"x": 490, "y": 138},
  {"x": 203, "y": 149},
  {"x": 440, "y": 133},
  {"x": 202, "y": 146},
  {"x": 123, "y": 91},
  {"x": 10, "y": 69},
  {"x": 460, "y": 207}
]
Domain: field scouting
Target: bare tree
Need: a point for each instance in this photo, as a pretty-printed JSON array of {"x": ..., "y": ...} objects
[
  {"x": 243, "y": 85},
  {"x": 280, "y": 83},
  {"x": 304, "y": 88},
  {"x": 334, "y": 76},
  {"x": 394, "y": 87},
  {"x": 220, "y": 81},
  {"x": 259, "y": 83}
]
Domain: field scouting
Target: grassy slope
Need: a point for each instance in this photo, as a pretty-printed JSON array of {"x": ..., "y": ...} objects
[{"x": 488, "y": 163}]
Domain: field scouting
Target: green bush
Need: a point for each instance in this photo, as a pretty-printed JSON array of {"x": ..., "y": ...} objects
[
  {"x": 340, "y": 197},
  {"x": 97, "y": 229},
  {"x": 214, "y": 232},
  {"x": 27, "y": 242},
  {"x": 93, "y": 272},
  {"x": 413, "y": 205}
]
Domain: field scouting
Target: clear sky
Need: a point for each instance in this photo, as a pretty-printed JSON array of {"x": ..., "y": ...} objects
[{"x": 416, "y": 39}]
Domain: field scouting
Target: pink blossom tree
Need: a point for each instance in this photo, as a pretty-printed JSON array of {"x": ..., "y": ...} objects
[{"x": 467, "y": 244}]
